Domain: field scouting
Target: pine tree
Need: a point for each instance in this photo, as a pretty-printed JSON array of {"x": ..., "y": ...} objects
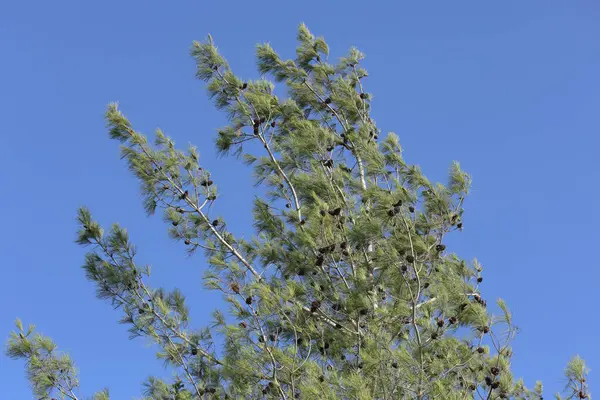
[{"x": 347, "y": 289}]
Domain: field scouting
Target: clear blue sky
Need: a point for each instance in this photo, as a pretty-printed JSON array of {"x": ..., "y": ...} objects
[{"x": 510, "y": 89}]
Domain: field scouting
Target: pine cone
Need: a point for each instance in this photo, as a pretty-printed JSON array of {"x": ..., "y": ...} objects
[{"x": 336, "y": 211}]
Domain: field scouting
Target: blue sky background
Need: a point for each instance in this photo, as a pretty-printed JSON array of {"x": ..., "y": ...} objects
[{"x": 510, "y": 89}]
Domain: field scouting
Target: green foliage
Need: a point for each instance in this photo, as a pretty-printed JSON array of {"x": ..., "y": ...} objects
[
  {"x": 346, "y": 290},
  {"x": 51, "y": 373},
  {"x": 576, "y": 374}
]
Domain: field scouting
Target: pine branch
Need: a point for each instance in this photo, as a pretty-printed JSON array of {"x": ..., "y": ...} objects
[{"x": 269, "y": 151}]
